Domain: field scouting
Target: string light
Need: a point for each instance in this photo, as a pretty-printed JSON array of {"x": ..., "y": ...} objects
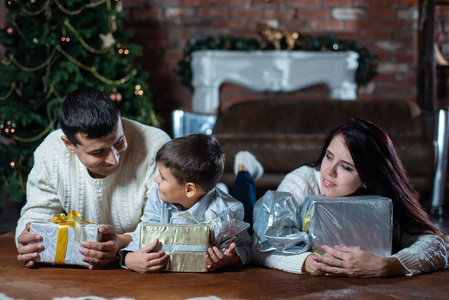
[
  {"x": 123, "y": 51},
  {"x": 138, "y": 90}
]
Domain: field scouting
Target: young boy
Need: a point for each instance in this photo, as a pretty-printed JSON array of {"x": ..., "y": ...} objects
[{"x": 189, "y": 169}]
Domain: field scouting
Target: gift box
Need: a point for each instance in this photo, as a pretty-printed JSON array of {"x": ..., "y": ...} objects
[
  {"x": 185, "y": 244},
  {"x": 355, "y": 221},
  {"x": 62, "y": 237}
]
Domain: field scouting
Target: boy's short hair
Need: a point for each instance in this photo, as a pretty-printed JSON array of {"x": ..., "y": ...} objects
[
  {"x": 88, "y": 111},
  {"x": 196, "y": 158}
]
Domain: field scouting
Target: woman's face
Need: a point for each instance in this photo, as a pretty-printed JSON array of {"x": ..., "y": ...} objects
[{"x": 339, "y": 176}]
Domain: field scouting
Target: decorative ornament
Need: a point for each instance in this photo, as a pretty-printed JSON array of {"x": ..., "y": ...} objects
[
  {"x": 138, "y": 90},
  {"x": 274, "y": 36},
  {"x": 115, "y": 96},
  {"x": 108, "y": 40},
  {"x": 10, "y": 31},
  {"x": 11, "y": 4},
  {"x": 8, "y": 129},
  {"x": 113, "y": 22},
  {"x": 123, "y": 51},
  {"x": 118, "y": 5},
  {"x": 13, "y": 164},
  {"x": 65, "y": 39}
]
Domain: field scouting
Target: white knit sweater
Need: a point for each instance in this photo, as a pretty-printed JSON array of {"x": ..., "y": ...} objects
[
  {"x": 420, "y": 253},
  {"x": 59, "y": 182}
]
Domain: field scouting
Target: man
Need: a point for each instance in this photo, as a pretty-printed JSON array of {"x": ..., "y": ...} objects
[{"x": 100, "y": 165}]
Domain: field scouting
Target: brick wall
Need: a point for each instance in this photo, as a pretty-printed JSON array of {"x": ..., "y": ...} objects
[{"x": 388, "y": 28}]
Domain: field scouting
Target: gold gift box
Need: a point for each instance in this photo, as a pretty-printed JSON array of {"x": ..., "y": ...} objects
[{"x": 185, "y": 244}]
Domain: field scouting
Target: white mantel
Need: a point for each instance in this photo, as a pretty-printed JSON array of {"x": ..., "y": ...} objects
[{"x": 273, "y": 71}]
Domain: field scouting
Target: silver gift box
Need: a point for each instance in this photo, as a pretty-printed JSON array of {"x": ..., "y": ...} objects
[
  {"x": 49, "y": 232},
  {"x": 355, "y": 221}
]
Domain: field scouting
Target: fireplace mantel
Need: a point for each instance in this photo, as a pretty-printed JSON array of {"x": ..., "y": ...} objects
[{"x": 273, "y": 71}]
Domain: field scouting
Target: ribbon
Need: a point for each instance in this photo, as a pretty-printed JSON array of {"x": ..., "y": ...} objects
[
  {"x": 306, "y": 223},
  {"x": 305, "y": 228},
  {"x": 73, "y": 219}
]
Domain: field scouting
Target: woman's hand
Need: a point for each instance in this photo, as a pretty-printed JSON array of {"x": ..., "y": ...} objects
[{"x": 355, "y": 262}]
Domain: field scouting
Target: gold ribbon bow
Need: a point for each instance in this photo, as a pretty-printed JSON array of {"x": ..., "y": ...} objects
[
  {"x": 73, "y": 219},
  {"x": 306, "y": 223},
  {"x": 305, "y": 228}
]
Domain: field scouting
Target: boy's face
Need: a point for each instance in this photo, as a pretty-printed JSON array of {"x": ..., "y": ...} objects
[
  {"x": 100, "y": 156},
  {"x": 171, "y": 191}
]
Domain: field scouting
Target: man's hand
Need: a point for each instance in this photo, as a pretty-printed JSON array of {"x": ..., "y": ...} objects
[
  {"x": 27, "y": 251},
  {"x": 102, "y": 254},
  {"x": 216, "y": 259},
  {"x": 145, "y": 260}
]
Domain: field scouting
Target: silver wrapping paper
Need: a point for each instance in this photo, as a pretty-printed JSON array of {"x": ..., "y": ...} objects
[
  {"x": 49, "y": 232},
  {"x": 277, "y": 224},
  {"x": 356, "y": 221},
  {"x": 228, "y": 226}
]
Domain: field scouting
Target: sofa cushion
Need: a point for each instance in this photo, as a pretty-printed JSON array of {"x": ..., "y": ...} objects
[{"x": 397, "y": 118}]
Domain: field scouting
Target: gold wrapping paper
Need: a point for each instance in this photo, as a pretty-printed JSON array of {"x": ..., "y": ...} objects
[{"x": 186, "y": 244}]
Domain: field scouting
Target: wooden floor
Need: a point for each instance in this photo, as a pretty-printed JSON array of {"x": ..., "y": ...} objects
[{"x": 250, "y": 282}]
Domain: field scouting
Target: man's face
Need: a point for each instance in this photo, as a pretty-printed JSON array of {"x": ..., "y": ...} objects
[{"x": 100, "y": 156}]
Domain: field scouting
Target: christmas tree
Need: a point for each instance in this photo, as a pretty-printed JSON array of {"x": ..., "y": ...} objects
[{"x": 51, "y": 48}]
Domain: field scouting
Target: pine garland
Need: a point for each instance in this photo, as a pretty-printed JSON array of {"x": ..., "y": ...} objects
[{"x": 364, "y": 73}]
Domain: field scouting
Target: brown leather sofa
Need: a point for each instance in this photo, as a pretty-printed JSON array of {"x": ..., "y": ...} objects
[{"x": 285, "y": 134}]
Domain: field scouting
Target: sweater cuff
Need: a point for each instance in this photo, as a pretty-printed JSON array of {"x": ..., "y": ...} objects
[
  {"x": 409, "y": 262},
  {"x": 292, "y": 263}
]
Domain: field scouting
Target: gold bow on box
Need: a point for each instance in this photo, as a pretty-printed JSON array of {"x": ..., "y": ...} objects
[{"x": 73, "y": 219}]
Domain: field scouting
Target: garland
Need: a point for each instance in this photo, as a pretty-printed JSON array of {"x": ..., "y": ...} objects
[{"x": 364, "y": 73}]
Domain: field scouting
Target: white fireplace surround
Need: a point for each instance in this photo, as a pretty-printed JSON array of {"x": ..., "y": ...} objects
[{"x": 274, "y": 71}]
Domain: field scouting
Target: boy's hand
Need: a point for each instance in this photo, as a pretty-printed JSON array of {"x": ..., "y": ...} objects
[
  {"x": 145, "y": 261},
  {"x": 215, "y": 259}
]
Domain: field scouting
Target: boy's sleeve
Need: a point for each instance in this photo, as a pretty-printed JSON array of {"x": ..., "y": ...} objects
[
  {"x": 152, "y": 214},
  {"x": 230, "y": 228},
  {"x": 243, "y": 248}
]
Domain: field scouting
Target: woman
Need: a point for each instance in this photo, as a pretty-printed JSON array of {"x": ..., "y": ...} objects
[{"x": 359, "y": 158}]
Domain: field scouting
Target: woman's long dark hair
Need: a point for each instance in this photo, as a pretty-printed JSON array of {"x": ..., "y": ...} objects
[{"x": 382, "y": 172}]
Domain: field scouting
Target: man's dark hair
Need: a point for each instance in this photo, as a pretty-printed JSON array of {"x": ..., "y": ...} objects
[
  {"x": 88, "y": 111},
  {"x": 196, "y": 158}
]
